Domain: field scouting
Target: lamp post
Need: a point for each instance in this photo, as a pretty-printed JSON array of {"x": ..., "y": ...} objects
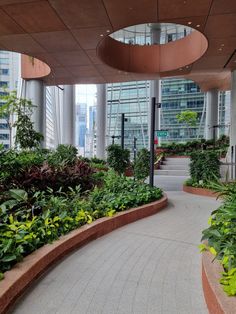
[
  {"x": 152, "y": 138},
  {"x": 135, "y": 148},
  {"x": 123, "y": 130}
]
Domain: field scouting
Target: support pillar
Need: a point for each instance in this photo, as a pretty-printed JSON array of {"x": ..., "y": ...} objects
[
  {"x": 155, "y": 86},
  {"x": 233, "y": 126},
  {"x": 101, "y": 120},
  {"x": 35, "y": 91},
  {"x": 233, "y": 110},
  {"x": 68, "y": 132},
  {"x": 211, "y": 114}
]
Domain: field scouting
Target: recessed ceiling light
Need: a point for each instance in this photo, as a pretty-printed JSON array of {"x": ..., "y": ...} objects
[
  {"x": 187, "y": 66},
  {"x": 189, "y": 23},
  {"x": 108, "y": 31},
  {"x": 222, "y": 45},
  {"x": 220, "y": 49},
  {"x": 198, "y": 25},
  {"x": 180, "y": 69},
  {"x": 101, "y": 35}
]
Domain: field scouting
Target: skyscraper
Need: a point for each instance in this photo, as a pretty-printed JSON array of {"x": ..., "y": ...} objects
[{"x": 9, "y": 71}]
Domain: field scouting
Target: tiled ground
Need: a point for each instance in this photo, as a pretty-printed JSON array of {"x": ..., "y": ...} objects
[{"x": 151, "y": 266}]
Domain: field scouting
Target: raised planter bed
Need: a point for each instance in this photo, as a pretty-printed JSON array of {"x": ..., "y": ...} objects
[
  {"x": 24, "y": 273},
  {"x": 199, "y": 191},
  {"x": 217, "y": 300}
]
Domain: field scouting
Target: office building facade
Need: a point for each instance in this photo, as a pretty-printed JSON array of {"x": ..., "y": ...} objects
[
  {"x": 132, "y": 98},
  {"x": 9, "y": 72}
]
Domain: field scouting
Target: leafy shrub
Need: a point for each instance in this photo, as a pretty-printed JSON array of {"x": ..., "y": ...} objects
[
  {"x": 64, "y": 154},
  {"x": 99, "y": 161},
  {"x": 120, "y": 193},
  {"x": 142, "y": 164},
  {"x": 13, "y": 162},
  {"x": 118, "y": 158},
  {"x": 30, "y": 221},
  {"x": 204, "y": 166},
  {"x": 221, "y": 235},
  {"x": 42, "y": 177}
]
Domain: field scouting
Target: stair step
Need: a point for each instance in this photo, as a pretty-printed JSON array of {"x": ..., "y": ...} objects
[
  {"x": 172, "y": 172},
  {"x": 175, "y": 162},
  {"x": 175, "y": 167}
]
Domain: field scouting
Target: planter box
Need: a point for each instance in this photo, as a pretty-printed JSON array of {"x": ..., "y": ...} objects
[
  {"x": 199, "y": 191},
  {"x": 23, "y": 274},
  {"x": 216, "y": 299}
]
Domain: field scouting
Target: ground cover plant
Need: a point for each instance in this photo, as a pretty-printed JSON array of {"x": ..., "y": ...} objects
[
  {"x": 54, "y": 192},
  {"x": 221, "y": 235}
]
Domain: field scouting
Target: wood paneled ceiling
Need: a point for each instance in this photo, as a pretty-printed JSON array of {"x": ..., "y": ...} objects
[{"x": 65, "y": 34}]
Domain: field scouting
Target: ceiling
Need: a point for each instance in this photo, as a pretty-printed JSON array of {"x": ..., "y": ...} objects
[{"x": 66, "y": 33}]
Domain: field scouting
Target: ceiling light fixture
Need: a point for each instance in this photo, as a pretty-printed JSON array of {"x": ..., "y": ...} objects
[
  {"x": 189, "y": 23},
  {"x": 101, "y": 35},
  {"x": 198, "y": 25}
]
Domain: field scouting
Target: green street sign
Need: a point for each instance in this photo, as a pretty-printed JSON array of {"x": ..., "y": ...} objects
[{"x": 162, "y": 133}]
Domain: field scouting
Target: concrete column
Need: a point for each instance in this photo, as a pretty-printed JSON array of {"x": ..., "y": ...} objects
[
  {"x": 101, "y": 120},
  {"x": 233, "y": 110},
  {"x": 155, "y": 86},
  {"x": 211, "y": 114},
  {"x": 68, "y": 119},
  {"x": 35, "y": 91}
]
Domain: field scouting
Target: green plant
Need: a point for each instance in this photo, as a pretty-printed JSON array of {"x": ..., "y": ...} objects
[
  {"x": 204, "y": 166},
  {"x": 187, "y": 117},
  {"x": 221, "y": 234},
  {"x": 26, "y": 136},
  {"x": 64, "y": 154},
  {"x": 118, "y": 158},
  {"x": 142, "y": 164},
  {"x": 28, "y": 221}
]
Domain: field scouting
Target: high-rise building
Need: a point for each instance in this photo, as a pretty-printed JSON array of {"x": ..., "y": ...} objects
[
  {"x": 90, "y": 140},
  {"x": 9, "y": 71},
  {"x": 181, "y": 95},
  {"x": 132, "y": 98},
  {"x": 81, "y": 121}
]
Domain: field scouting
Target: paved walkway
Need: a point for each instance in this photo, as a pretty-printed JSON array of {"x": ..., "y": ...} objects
[{"x": 151, "y": 266}]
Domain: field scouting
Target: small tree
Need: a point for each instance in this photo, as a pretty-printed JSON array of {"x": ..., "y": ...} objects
[
  {"x": 22, "y": 109},
  {"x": 118, "y": 158},
  {"x": 189, "y": 118},
  {"x": 142, "y": 164}
]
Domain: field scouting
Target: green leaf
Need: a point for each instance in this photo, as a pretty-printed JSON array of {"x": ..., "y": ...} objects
[
  {"x": 19, "y": 195},
  {"x": 8, "y": 258}
]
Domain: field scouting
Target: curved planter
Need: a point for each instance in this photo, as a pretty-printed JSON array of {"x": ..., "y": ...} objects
[
  {"x": 217, "y": 300},
  {"x": 24, "y": 273},
  {"x": 199, "y": 191}
]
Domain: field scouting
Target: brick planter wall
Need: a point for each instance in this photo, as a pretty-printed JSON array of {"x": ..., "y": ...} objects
[
  {"x": 216, "y": 299},
  {"x": 199, "y": 191}
]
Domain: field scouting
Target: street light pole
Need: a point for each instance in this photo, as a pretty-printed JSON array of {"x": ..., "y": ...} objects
[
  {"x": 152, "y": 135},
  {"x": 123, "y": 130},
  {"x": 135, "y": 148}
]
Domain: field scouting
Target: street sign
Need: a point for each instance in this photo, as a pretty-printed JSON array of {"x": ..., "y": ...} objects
[{"x": 161, "y": 133}]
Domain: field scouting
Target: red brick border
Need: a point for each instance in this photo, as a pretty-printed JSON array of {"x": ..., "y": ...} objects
[
  {"x": 217, "y": 300},
  {"x": 24, "y": 273},
  {"x": 199, "y": 191}
]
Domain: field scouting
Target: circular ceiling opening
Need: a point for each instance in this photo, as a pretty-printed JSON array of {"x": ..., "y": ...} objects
[
  {"x": 152, "y": 33},
  {"x": 152, "y": 48}
]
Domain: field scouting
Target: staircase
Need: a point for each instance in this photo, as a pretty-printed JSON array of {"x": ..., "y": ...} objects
[{"x": 174, "y": 167}]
